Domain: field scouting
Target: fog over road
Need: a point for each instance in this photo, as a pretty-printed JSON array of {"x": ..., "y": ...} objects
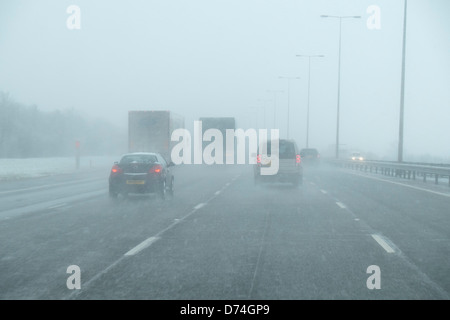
[{"x": 222, "y": 237}]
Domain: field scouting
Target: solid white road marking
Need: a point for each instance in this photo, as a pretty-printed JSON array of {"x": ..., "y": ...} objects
[
  {"x": 323, "y": 191},
  {"x": 402, "y": 184},
  {"x": 48, "y": 204},
  {"x": 383, "y": 243},
  {"x": 144, "y": 244},
  {"x": 57, "y": 206},
  {"x": 217, "y": 192},
  {"x": 47, "y": 186}
]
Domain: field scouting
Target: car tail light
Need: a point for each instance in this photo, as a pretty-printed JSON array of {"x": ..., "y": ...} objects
[
  {"x": 157, "y": 168},
  {"x": 298, "y": 159},
  {"x": 116, "y": 170},
  {"x": 258, "y": 159}
]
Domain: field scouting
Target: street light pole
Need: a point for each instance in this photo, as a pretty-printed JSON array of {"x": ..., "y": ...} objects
[
  {"x": 275, "y": 105},
  {"x": 309, "y": 85},
  {"x": 256, "y": 118},
  {"x": 338, "y": 91},
  {"x": 339, "y": 76},
  {"x": 289, "y": 88},
  {"x": 402, "y": 94},
  {"x": 264, "y": 110}
]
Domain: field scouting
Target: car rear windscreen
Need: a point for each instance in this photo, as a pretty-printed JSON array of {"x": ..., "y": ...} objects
[{"x": 146, "y": 159}]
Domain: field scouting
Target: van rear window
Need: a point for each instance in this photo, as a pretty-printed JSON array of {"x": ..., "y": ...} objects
[{"x": 286, "y": 149}]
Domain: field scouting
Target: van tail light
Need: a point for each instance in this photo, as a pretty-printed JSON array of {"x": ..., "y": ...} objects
[
  {"x": 115, "y": 170},
  {"x": 157, "y": 168},
  {"x": 298, "y": 159}
]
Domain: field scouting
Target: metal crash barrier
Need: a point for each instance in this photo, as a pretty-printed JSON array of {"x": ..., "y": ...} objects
[{"x": 402, "y": 170}]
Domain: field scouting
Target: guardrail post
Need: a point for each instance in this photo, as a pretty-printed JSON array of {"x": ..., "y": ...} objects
[
  {"x": 424, "y": 177},
  {"x": 436, "y": 178},
  {"x": 414, "y": 175}
]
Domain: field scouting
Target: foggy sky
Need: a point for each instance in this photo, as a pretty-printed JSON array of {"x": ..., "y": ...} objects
[{"x": 202, "y": 58}]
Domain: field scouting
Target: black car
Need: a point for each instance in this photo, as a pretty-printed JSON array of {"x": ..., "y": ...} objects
[
  {"x": 310, "y": 156},
  {"x": 141, "y": 173},
  {"x": 290, "y": 169}
]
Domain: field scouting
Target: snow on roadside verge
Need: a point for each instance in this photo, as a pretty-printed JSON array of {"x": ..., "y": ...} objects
[{"x": 14, "y": 169}]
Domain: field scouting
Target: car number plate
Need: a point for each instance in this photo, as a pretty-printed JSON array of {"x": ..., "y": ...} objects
[{"x": 135, "y": 181}]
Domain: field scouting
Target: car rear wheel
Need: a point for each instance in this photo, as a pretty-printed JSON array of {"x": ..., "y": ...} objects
[
  {"x": 162, "y": 189},
  {"x": 171, "y": 187},
  {"x": 113, "y": 194}
]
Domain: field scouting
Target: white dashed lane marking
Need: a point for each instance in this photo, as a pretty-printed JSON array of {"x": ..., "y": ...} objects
[
  {"x": 149, "y": 241},
  {"x": 383, "y": 243},
  {"x": 200, "y": 205},
  {"x": 341, "y": 205},
  {"x": 144, "y": 244}
]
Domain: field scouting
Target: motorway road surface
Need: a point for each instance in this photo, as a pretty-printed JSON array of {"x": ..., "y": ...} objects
[{"x": 222, "y": 237}]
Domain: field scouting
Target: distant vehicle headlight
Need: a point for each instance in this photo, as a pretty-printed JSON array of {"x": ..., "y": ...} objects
[{"x": 361, "y": 158}]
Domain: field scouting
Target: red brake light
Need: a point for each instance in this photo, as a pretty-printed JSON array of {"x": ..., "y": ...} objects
[
  {"x": 298, "y": 158},
  {"x": 116, "y": 169},
  {"x": 258, "y": 158},
  {"x": 157, "y": 168}
]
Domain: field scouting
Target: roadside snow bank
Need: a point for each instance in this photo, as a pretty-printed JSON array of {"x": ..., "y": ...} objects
[{"x": 13, "y": 169}]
